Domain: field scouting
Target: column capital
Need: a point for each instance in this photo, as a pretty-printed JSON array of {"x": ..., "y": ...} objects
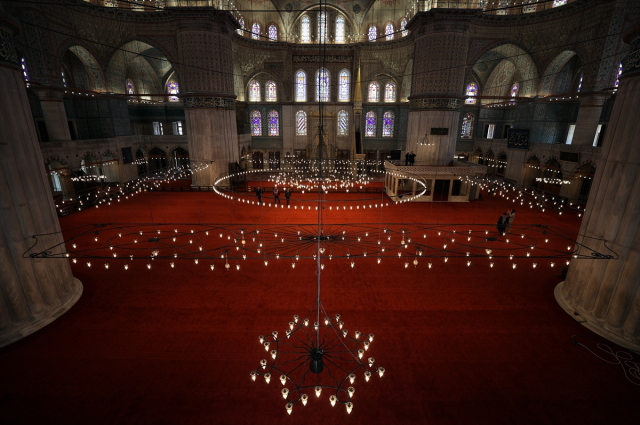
[
  {"x": 46, "y": 94},
  {"x": 204, "y": 101},
  {"x": 594, "y": 100}
]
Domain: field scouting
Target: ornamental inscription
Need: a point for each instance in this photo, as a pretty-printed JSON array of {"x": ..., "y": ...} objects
[
  {"x": 439, "y": 131},
  {"x": 318, "y": 58}
]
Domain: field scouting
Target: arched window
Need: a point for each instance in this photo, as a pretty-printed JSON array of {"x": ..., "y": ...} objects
[
  {"x": 373, "y": 33},
  {"x": 25, "y": 70},
  {"x": 305, "y": 31},
  {"x": 256, "y": 123},
  {"x": 255, "y": 31},
  {"x": 173, "y": 88},
  {"x": 343, "y": 89},
  {"x": 322, "y": 85},
  {"x": 580, "y": 83},
  {"x": 467, "y": 126},
  {"x": 273, "y": 33},
  {"x": 274, "y": 123},
  {"x": 390, "y": 92},
  {"x": 339, "y": 29},
  {"x": 472, "y": 92},
  {"x": 343, "y": 123},
  {"x": 270, "y": 91},
  {"x": 301, "y": 86},
  {"x": 388, "y": 30},
  {"x": 301, "y": 123},
  {"x": 515, "y": 88},
  {"x": 403, "y": 26},
  {"x": 322, "y": 27},
  {"x": 617, "y": 75},
  {"x": 241, "y": 22},
  {"x": 387, "y": 124},
  {"x": 64, "y": 80},
  {"x": 130, "y": 87},
  {"x": 557, "y": 3},
  {"x": 254, "y": 91},
  {"x": 374, "y": 92},
  {"x": 370, "y": 124}
]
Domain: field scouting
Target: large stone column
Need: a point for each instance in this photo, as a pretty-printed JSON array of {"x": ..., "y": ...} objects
[
  {"x": 206, "y": 78},
  {"x": 606, "y": 293},
  {"x": 588, "y": 120},
  {"x": 437, "y": 85},
  {"x": 33, "y": 292},
  {"x": 55, "y": 117}
]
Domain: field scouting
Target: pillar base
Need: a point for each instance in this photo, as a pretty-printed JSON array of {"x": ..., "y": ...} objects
[
  {"x": 31, "y": 327},
  {"x": 586, "y": 322}
]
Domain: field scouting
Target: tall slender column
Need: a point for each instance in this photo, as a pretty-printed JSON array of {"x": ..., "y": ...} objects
[
  {"x": 437, "y": 85},
  {"x": 206, "y": 76},
  {"x": 33, "y": 292},
  {"x": 588, "y": 120},
  {"x": 606, "y": 293}
]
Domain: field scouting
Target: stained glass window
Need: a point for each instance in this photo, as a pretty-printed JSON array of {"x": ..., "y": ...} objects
[
  {"x": 64, "y": 80},
  {"x": 472, "y": 92},
  {"x": 339, "y": 29},
  {"x": 387, "y": 124},
  {"x": 343, "y": 90},
  {"x": 390, "y": 92},
  {"x": 580, "y": 83},
  {"x": 374, "y": 92},
  {"x": 254, "y": 91},
  {"x": 173, "y": 88},
  {"x": 389, "y": 31},
  {"x": 241, "y": 22},
  {"x": 25, "y": 70},
  {"x": 256, "y": 123},
  {"x": 514, "y": 90},
  {"x": 270, "y": 91},
  {"x": 305, "y": 31},
  {"x": 130, "y": 88},
  {"x": 255, "y": 31},
  {"x": 301, "y": 86},
  {"x": 403, "y": 26},
  {"x": 274, "y": 123},
  {"x": 322, "y": 85},
  {"x": 557, "y": 3},
  {"x": 617, "y": 75},
  {"x": 370, "y": 124},
  {"x": 343, "y": 123},
  {"x": 322, "y": 27},
  {"x": 301, "y": 123},
  {"x": 373, "y": 33},
  {"x": 467, "y": 126},
  {"x": 273, "y": 33}
]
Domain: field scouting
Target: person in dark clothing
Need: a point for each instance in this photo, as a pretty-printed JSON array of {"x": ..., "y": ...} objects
[
  {"x": 259, "y": 195},
  {"x": 502, "y": 224},
  {"x": 412, "y": 158},
  {"x": 276, "y": 196},
  {"x": 406, "y": 160},
  {"x": 287, "y": 194}
]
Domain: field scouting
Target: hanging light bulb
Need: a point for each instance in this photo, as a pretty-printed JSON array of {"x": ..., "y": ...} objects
[
  {"x": 349, "y": 407},
  {"x": 267, "y": 377},
  {"x": 318, "y": 391},
  {"x": 304, "y": 399},
  {"x": 367, "y": 376},
  {"x": 285, "y": 393},
  {"x": 253, "y": 375}
]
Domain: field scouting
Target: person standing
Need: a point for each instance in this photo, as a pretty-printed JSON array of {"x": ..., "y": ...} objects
[
  {"x": 287, "y": 194},
  {"x": 412, "y": 158},
  {"x": 502, "y": 222},
  {"x": 511, "y": 215},
  {"x": 276, "y": 196},
  {"x": 407, "y": 159},
  {"x": 259, "y": 195}
]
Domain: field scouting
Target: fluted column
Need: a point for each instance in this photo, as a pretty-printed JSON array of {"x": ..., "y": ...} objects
[
  {"x": 33, "y": 292},
  {"x": 606, "y": 293},
  {"x": 588, "y": 119},
  {"x": 437, "y": 84},
  {"x": 206, "y": 78}
]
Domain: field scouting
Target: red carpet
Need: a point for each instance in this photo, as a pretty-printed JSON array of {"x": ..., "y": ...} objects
[{"x": 460, "y": 345}]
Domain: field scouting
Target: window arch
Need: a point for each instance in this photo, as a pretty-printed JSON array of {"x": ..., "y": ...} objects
[
  {"x": 301, "y": 86},
  {"x": 467, "y": 126},
  {"x": 390, "y": 92},
  {"x": 273, "y": 33},
  {"x": 617, "y": 75},
  {"x": 339, "y": 29},
  {"x": 130, "y": 87},
  {"x": 322, "y": 27},
  {"x": 254, "y": 91},
  {"x": 301, "y": 123},
  {"x": 403, "y": 26},
  {"x": 472, "y": 92},
  {"x": 305, "y": 30},
  {"x": 274, "y": 123},
  {"x": 25, "y": 70},
  {"x": 255, "y": 31},
  {"x": 173, "y": 88},
  {"x": 343, "y": 123},
  {"x": 256, "y": 123},
  {"x": 388, "y": 31},
  {"x": 515, "y": 88},
  {"x": 322, "y": 85},
  {"x": 343, "y": 89},
  {"x": 387, "y": 124},
  {"x": 270, "y": 91},
  {"x": 374, "y": 92},
  {"x": 373, "y": 33},
  {"x": 241, "y": 22},
  {"x": 370, "y": 124}
]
